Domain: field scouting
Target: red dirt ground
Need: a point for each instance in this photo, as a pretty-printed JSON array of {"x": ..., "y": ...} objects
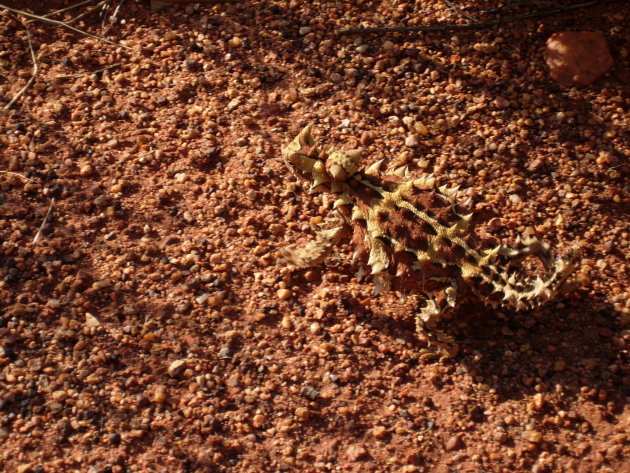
[{"x": 154, "y": 326}]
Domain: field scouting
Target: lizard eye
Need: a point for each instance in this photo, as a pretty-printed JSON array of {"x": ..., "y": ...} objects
[{"x": 341, "y": 165}]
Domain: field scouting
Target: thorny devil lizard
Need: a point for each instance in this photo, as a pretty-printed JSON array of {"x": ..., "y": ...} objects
[{"x": 417, "y": 238}]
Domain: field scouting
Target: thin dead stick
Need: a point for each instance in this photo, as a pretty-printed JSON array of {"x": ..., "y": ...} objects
[
  {"x": 460, "y": 11},
  {"x": 62, "y": 24},
  {"x": 112, "y": 19},
  {"x": 520, "y": 3},
  {"x": 76, "y": 5},
  {"x": 203, "y": 1},
  {"x": 104, "y": 10},
  {"x": 86, "y": 12},
  {"x": 35, "y": 72},
  {"x": 470, "y": 26},
  {"x": 76, "y": 76},
  {"x": 41, "y": 227}
]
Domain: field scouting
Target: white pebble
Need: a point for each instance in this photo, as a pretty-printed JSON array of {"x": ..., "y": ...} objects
[{"x": 412, "y": 141}]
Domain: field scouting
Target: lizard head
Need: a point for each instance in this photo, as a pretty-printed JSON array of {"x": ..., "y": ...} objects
[{"x": 308, "y": 162}]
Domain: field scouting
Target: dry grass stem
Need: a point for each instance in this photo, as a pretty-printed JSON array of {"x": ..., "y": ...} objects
[
  {"x": 71, "y": 7},
  {"x": 460, "y": 11},
  {"x": 202, "y": 1},
  {"x": 112, "y": 19},
  {"x": 62, "y": 24},
  {"x": 41, "y": 227},
  {"x": 87, "y": 12},
  {"x": 35, "y": 71}
]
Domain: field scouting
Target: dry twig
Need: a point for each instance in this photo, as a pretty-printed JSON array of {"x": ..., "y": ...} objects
[
  {"x": 460, "y": 11},
  {"x": 520, "y": 3},
  {"x": 483, "y": 24},
  {"x": 35, "y": 72},
  {"x": 76, "y": 5},
  {"x": 76, "y": 76},
  {"x": 41, "y": 227},
  {"x": 113, "y": 17},
  {"x": 62, "y": 24},
  {"x": 203, "y": 1},
  {"x": 87, "y": 12}
]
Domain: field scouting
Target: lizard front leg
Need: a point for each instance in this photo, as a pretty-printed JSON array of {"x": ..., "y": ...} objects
[
  {"x": 437, "y": 306},
  {"x": 316, "y": 251}
]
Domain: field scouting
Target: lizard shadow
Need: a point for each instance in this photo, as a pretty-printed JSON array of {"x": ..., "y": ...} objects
[{"x": 574, "y": 349}]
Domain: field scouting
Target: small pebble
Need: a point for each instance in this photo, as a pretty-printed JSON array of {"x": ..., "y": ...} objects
[
  {"x": 101, "y": 200},
  {"x": 102, "y": 284},
  {"x": 538, "y": 402},
  {"x": 454, "y": 443},
  {"x": 284, "y": 294},
  {"x": 412, "y": 141},
  {"x": 335, "y": 77},
  {"x": 59, "y": 396},
  {"x": 176, "y": 368},
  {"x": 258, "y": 420},
  {"x": 356, "y": 452},
  {"x": 235, "y": 42},
  {"x": 379, "y": 432},
  {"x": 91, "y": 321},
  {"x": 53, "y": 304},
  {"x": 532, "y": 436},
  {"x": 160, "y": 395},
  {"x": 500, "y": 102},
  {"x": 93, "y": 379},
  {"x": 302, "y": 413},
  {"x": 181, "y": 177},
  {"x": 86, "y": 170}
]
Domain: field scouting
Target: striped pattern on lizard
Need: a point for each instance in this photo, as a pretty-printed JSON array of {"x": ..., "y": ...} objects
[{"x": 417, "y": 238}]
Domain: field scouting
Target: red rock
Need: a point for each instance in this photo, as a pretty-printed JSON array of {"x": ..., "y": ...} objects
[{"x": 577, "y": 57}]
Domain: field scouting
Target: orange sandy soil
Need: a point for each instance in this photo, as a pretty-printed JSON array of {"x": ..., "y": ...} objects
[{"x": 154, "y": 326}]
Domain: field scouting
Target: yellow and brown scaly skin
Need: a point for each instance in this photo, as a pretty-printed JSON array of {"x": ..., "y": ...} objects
[{"x": 416, "y": 237}]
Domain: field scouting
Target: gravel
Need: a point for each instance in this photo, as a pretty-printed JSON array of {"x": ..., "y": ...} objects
[{"x": 154, "y": 324}]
